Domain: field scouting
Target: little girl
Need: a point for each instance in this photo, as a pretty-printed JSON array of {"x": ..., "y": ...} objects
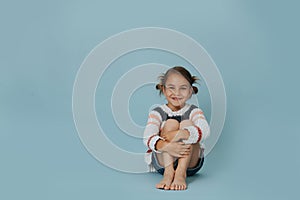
[{"x": 175, "y": 130}]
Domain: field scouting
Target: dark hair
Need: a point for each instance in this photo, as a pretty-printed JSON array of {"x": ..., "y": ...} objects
[{"x": 182, "y": 71}]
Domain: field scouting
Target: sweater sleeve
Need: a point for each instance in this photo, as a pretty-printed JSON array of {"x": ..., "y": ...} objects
[
  {"x": 151, "y": 133},
  {"x": 200, "y": 131}
]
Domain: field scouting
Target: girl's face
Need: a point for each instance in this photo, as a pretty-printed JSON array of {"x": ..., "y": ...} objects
[{"x": 177, "y": 91}]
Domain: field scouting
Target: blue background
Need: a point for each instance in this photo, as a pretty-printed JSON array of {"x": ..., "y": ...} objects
[{"x": 255, "y": 45}]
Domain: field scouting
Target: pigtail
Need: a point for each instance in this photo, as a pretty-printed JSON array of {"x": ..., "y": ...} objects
[
  {"x": 195, "y": 89},
  {"x": 194, "y": 79},
  {"x": 160, "y": 85}
]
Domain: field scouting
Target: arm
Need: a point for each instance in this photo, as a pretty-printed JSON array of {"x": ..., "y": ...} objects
[
  {"x": 158, "y": 144},
  {"x": 200, "y": 130},
  {"x": 176, "y": 149},
  {"x": 151, "y": 133}
]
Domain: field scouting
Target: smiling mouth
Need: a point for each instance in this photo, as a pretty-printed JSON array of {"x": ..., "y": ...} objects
[{"x": 176, "y": 99}]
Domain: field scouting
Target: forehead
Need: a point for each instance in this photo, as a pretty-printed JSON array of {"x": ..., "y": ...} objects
[{"x": 176, "y": 79}]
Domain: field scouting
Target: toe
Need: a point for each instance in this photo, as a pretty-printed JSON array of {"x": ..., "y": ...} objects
[
  {"x": 160, "y": 185},
  {"x": 172, "y": 186},
  {"x": 179, "y": 187}
]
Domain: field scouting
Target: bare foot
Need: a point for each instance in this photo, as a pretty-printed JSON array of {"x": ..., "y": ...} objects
[
  {"x": 179, "y": 181},
  {"x": 165, "y": 183}
]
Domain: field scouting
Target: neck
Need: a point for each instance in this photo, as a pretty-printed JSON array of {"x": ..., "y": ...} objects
[{"x": 175, "y": 108}]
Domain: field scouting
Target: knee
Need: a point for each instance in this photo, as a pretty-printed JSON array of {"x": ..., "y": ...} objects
[
  {"x": 170, "y": 125},
  {"x": 185, "y": 123}
]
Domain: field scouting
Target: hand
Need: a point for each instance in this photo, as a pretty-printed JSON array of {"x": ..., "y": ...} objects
[{"x": 177, "y": 149}]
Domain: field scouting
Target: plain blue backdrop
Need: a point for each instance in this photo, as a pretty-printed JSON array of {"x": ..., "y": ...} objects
[{"x": 255, "y": 45}]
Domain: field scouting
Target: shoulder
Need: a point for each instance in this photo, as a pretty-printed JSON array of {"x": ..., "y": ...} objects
[
  {"x": 157, "y": 108},
  {"x": 157, "y": 111},
  {"x": 160, "y": 111},
  {"x": 195, "y": 110},
  {"x": 192, "y": 107}
]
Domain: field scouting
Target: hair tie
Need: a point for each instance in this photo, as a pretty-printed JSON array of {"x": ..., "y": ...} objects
[{"x": 195, "y": 89}]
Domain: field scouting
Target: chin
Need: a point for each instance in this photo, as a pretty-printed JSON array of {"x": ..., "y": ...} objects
[{"x": 177, "y": 105}]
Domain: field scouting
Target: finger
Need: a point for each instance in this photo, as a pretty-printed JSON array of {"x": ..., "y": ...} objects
[
  {"x": 184, "y": 154},
  {"x": 179, "y": 155},
  {"x": 187, "y": 145},
  {"x": 186, "y": 148},
  {"x": 183, "y": 147}
]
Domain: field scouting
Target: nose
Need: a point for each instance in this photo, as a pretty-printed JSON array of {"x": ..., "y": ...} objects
[{"x": 176, "y": 91}]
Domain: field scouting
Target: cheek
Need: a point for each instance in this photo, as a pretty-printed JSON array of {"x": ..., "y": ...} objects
[
  {"x": 189, "y": 95},
  {"x": 165, "y": 93}
]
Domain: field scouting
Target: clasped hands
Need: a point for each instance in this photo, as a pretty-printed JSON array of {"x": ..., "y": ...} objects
[{"x": 173, "y": 144}]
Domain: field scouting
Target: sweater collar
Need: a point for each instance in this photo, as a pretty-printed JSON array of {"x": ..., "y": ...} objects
[{"x": 175, "y": 113}]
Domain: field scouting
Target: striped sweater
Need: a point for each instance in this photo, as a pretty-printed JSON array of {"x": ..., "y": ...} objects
[{"x": 158, "y": 116}]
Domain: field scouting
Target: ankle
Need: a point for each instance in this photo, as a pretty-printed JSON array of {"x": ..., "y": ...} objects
[
  {"x": 169, "y": 171},
  {"x": 180, "y": 172}
]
